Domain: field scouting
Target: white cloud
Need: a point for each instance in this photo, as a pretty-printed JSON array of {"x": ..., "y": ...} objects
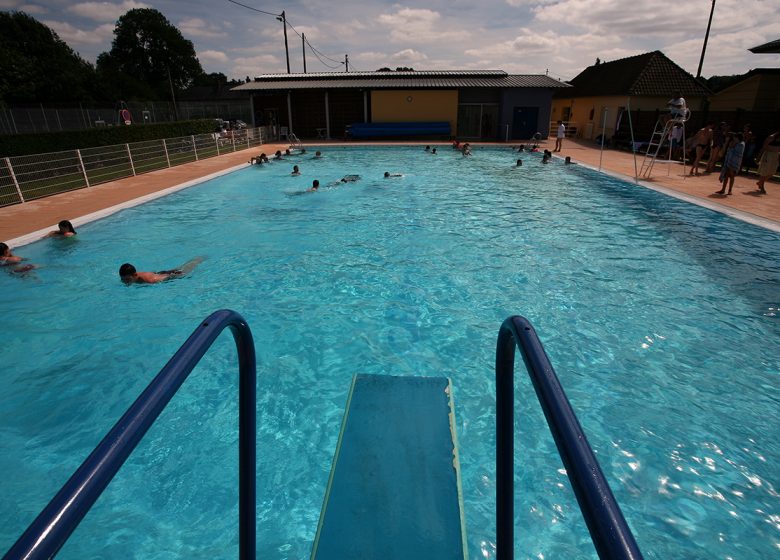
[
  {"x": 255, "y": 65},
  {"x": 33, "y": 9},
  {"x": 212, "y": 56},
  {"x": 409, "y": 55},
  {"x": 102, "y": 34},
  {"x": 196, "y": 27},
  {"x": 105, "y": 11},
  {"x": 412, "y": 25}
]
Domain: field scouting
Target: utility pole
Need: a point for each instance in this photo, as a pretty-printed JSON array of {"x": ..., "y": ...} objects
[
  {"x": 303, "y": 42},
  {"x": 283, "y": 19},
  {"x": 173, "y": 97},
  {"x": 706, "y": 37},
  {"x": 346, "y": 62}
]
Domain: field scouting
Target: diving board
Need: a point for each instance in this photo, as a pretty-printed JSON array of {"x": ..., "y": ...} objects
[{"x": 394, "y": 490}]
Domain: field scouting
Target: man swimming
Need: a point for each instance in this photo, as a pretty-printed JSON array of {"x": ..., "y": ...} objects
[{"x": 129, "y": 275}]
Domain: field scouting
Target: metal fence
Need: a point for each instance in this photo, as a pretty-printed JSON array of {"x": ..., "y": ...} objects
[
  {"x": 40, "y": 118},
  {"x": 25, "y": 178}
]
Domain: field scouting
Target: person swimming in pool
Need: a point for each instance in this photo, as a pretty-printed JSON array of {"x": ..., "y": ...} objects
[
  {"x": 314, "y": 186},
  {"x": 519, "y": 163},
  {"x": 350, "y": 178},
  {"x": 64, "y": 229},
  {"x": 129, "y": 275},
  {"x": 318, "y": 154},
  {"x": 7, "y": 257},
  {"x": 388, "y": 175},
  {"x": 13, "y": 262},
  {"x": 296, "y": 170}
]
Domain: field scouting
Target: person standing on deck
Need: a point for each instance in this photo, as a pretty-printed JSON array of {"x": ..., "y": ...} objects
[{"x": 560, "y": 136}]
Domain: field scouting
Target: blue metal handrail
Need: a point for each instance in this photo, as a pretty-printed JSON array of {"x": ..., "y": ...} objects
[
  {"x": 608, "y": 528},
  {"x": 46, "y": 535}
]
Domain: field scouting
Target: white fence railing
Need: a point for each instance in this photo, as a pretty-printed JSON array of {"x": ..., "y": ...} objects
[{"x": 24, "y": 178}]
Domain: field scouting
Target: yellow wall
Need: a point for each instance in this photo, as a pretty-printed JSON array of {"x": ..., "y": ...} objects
[
  {"x": 588, "y": 127},
  {"x": 415, "y": 106}
]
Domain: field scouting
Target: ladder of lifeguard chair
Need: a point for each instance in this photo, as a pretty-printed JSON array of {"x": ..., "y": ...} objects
[{"x": 660, "y": 133}]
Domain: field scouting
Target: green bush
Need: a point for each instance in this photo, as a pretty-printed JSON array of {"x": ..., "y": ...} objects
[{"x": 25, "y": 144}]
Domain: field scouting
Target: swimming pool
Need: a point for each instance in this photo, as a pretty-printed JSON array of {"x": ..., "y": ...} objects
[{"x": 660, "y": 318}]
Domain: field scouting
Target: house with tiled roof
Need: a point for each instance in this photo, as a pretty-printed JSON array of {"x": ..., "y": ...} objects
[{"x": 602, "y": 93}]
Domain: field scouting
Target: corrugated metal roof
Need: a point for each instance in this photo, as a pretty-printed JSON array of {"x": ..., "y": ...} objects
[
  {"x": 386, "y": 74},
  {"x": 413, "y": 80}
]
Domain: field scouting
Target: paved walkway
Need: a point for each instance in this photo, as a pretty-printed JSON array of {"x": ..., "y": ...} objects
[{"x": 26, "y": 222}]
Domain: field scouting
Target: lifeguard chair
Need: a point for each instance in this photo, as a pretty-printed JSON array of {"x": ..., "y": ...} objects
[{"x": 661, "y": 133}]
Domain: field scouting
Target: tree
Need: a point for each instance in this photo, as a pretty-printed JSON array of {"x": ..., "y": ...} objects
[
  {"x": 37, "y": 66},
  {"x": 148, "y": 56}
]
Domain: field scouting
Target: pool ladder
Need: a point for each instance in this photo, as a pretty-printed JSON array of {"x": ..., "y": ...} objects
[{"x": 609, "y": 531}]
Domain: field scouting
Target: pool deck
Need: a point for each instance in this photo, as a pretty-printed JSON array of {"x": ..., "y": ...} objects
[{"x": 23, "y": 223}]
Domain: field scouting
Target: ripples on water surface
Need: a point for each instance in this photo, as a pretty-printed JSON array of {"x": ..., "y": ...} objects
[{"x": 660, "y": 318}]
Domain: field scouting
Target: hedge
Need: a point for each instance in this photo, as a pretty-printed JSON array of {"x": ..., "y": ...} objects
[{"x": 26, "y": 144}]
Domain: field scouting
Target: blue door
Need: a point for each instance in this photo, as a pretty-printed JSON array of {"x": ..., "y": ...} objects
[{"x": 525, "y": 122}]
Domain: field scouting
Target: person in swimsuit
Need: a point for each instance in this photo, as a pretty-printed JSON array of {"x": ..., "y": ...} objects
[
  {"x": 314, "y": 186},
  {"x": 719, "y": 138},
  {"x": 389, "y": 175},
  {"x": 295, "y": 170},
  {"x": 65, "y": 229},
  {"x": 767, "y": 164},
  {"x": 129, "y": 275},
  {"x": 732, "y": 163},
  {"x": 701, "y": 141}
]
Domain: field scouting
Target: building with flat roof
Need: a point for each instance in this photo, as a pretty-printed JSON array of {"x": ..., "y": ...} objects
[{"x": 477, "y": 104}]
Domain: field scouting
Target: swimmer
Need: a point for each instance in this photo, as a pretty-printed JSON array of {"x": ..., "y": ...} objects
[
  {"x": 287, "y": 152},
  {"x": 519, "y": 163},
  {"x": 388, "y": 175},
  {"x": 433, "y": 151},
  {"x": 350, "y": 178},
  {"x": 130, "y": 275},
  {"x": 456, "y": 144},
  {"x": 546, "y": 158},
  {"x": 278, "y": 155},
  {"x": 295, "y": 170},
  {"x": 314, "y": 186},
  {"x": 6, "y": 257},
  {"x": 466, "y": 149},
  {"x": 427, "y": 148},
  {"x": 318, "y": 154},
  {"x": 568, "y": 161},
  {"x": 65, "y": 230}
]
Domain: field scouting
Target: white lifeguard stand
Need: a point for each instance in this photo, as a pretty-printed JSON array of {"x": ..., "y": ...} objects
[{"x": 662, "y": 132}]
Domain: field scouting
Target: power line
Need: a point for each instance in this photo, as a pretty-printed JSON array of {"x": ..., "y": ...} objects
[
  {"x": 317, "y": 53},
  {"x": 251, "y": 8}
]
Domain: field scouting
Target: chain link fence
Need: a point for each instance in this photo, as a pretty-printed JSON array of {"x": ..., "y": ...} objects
[
  {"x": 24, "y": 178},
  {"x": 40, "y": 118}
]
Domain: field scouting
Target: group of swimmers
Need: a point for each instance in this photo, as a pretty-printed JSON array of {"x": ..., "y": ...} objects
[
  {"x": 127, "y": 272},
  {"x": 14, "y": 262},
  {"x": 279, "y": 156}
]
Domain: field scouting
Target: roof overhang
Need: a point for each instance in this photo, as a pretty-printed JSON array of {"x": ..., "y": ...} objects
[
  {"x": 772, "y": 47},
  {"x": 451, "y": 79}
]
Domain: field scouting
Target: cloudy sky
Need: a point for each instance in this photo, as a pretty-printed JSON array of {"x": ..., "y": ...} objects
[{"x": 561, "y": 37}]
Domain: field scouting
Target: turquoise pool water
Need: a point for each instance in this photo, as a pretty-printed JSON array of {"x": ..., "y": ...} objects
[{"x": 660, "y": 318}]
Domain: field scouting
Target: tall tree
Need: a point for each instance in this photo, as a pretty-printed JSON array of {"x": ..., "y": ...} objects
[
  {"x": 37, "y": 66},
  {"x": 148, "y": 55}
]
